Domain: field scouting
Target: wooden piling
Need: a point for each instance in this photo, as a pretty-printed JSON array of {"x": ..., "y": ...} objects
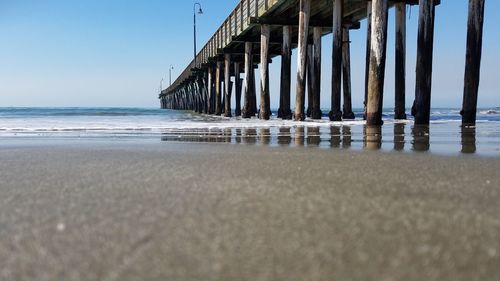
[
  {"x": 368, "y": 50},
  {"x": 335, "y": 113},
  {"x": 310, "y": 75},
  {"x": 237, "y": 80},
  {"x": 247, "y": 106},
  {"x": 377, "y": 63},
  {"x": 346, "y": 74},
  {"x": 210, "y": 91},
  {"x": 316, "y": 96},
  {"x": 218, "y": 98},
  {"x": 284, "y": 111},
  {"x": 253, "y": 100},
  {"x": 265, "y": 108},
  {"x": 227, "y": 85},
  {"x": 422, "y": 106},
  {"x": 400, "y": 75},
  {"x": 304, "y": 14},
  {"x": 473, "y": 61},
  {"x": 247, "y": 88}
]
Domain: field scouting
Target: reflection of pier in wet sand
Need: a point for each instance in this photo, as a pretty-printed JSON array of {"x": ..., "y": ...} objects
[{"x": 397, "y": 137}]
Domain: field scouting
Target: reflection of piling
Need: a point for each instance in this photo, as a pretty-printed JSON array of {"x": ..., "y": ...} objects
[
  {"x": 334, "y": 136},
  {"x": 237, "y": 136},
  {"x": 346, "y": 136},
  {"x": 313, "y": 136},
  {"x": 468, "y": 139},
  {"x": 399, "y": 136},
  {"x": 373, "y": 137},
  {"x": 250, "y": 136},
  {"x": 265, "y": 136},
  {"x": 284, "y": 137},
  {"x": 299, "y": 136},
  {"x": 421, "y": 138}
]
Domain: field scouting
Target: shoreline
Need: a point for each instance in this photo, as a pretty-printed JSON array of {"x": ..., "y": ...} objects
[{"x": 175, "y": 211}]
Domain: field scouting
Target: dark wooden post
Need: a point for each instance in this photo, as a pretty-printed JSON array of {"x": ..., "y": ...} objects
[
  {"x": 400, "y": 76},
  {"x": 253, "y": 99},
  {"x": 335, "y": 113},
  {"x": 368, "y": 50},
  {"x": 218, "y": 98},
  {"x": 316, "y": 98},
  {"x": 285, "y": 85},
  {"x": 377, "y": 63},
  {"x": 422, "y": 106},
  {"x": 346, "y": 74},
  {"x": 205, "y": 92},
  {"x": 265, "y": 108},
  {"x": 227, "y": 85},
  {"x": 247, "y": 106},
  {"x": 310, "y": 75},
  {"x": 305, "y": 7},
  {"x": 473, "y": 61},
  {"x": 237, "y": 80}
]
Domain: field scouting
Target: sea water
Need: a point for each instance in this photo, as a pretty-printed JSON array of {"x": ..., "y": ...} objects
[{"x": 445, "y": 134}]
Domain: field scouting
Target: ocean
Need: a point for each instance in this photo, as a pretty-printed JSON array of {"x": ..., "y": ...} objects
[{"x": 445, "y": 134}]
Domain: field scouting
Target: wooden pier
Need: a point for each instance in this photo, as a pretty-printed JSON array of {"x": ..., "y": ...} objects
[{"x": 258, "y": 30}]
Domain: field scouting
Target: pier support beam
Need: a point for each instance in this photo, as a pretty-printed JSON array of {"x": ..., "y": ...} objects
[
  {"x": 473, "y": 61},
  {"x": 368, "y": 50},
  {"x": 335, "y": 113},
  {"x": 227, "y": 85},
  {"x": 377, "y": 63},
  {"x": 237, "y": 80},
  {"x": 346, "y": 74},
  {"x": 284, "y": 111},
  {"x": 247, "y": 103},
  {"x": 422, "y": 106},
  {"x": 218, "y": 98},
  {"x": 304, "y": 14},
  {"x": 310, "y": 74},
  {"x": 211, "y": 108},
  {"x": 316, "y": 95},
  {"x": 400, "y": 75},
  {"x": 265, "y": 108}
]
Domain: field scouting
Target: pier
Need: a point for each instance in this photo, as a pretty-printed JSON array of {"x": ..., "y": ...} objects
[{"x": 256, "y": 31}]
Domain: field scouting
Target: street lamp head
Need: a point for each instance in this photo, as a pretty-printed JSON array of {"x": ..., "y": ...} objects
[{"x": 200, "y": 11}]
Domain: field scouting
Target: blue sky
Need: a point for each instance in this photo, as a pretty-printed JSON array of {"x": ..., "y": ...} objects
[{"x": 115, "y": 52}]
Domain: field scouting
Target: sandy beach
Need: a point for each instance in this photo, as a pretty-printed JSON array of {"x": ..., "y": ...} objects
[{"x": 171, "y": 211}]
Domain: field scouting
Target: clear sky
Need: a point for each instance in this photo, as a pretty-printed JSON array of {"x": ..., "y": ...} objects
[{"x": 115, "y": 52}]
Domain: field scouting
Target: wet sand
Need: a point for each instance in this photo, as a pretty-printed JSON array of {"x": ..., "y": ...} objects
[{"x": 172, "y": 211}]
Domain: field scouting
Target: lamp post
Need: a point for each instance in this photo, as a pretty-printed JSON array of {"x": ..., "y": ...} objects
[
  {"x": 200, "y": 11},
  {"x": 170, "y": 74},
  {"x": 161, "y": 85}
]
